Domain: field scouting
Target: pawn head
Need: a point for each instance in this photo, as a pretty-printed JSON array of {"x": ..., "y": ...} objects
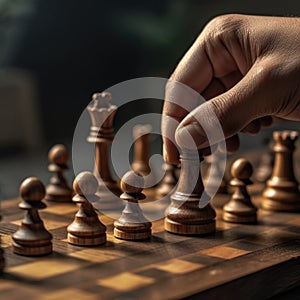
[
  {"x": 32, "y": 189},
  {"x": 85, "y": 183},
  {"x": 132, "y": 183},
  {"x": 58, "y": 154},
  {"x": 241, "y": 169}
]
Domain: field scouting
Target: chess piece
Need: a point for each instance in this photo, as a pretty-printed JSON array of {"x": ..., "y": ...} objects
[
  {"x": 282, "y": 192},
  {"x": 102, "y": 114},
  {"x": 168, "y": 182},
  {"x": 32, "y": 238},
  {"x": 216, "y": 174},
  {"x": 140, "y": 164},
  {"x": 132, "y": 224},
  {"x": 184, "y": 215},
  {"x": 86, "y": 229},
  {"x": 264, "y": 170},
  {"x": 58, "y": 189},
  {"x": 240, "y": 208}
]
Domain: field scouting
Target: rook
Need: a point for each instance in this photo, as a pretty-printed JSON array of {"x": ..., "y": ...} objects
[{"x": 282, "y": 192}]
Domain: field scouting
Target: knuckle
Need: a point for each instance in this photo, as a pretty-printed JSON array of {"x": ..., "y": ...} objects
[{"x": 222, "y": 25}]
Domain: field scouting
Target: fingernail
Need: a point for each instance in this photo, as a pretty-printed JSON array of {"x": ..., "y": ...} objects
[{"x": 191, "y": 136}]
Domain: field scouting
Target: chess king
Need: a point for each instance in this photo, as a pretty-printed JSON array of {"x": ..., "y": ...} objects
[{"x": 102, "y": 114}]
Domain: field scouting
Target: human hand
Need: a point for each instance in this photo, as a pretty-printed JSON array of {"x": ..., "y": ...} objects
[{"x": 248, "y": 67}]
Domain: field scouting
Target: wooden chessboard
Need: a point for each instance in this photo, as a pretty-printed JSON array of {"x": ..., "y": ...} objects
[{"x": 238, "y": 261}]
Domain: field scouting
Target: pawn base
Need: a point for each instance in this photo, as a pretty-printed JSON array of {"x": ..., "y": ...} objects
[
  {"x": 132, "y": 231},
  {"x": 87, "y": 240},
  {"x": 32, "y": 251},
  {"x": 190, "y": 229},
  {"x": 131, "y": 235},
  {"x": 238, "y": 218}
]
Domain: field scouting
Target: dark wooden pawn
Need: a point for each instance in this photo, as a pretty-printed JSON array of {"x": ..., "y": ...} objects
[
  {"x": 132, "y": 224},
  {"x": 58, "y": 190},
  {"x": 32, "y": 238},
  {"x": 168, "y": 182},
  {"x": 282, "y": 189},
  {"x": 186, "y": 215},
  {"x": 86, "y": 229},
  {"x": 240, "y": 208}
]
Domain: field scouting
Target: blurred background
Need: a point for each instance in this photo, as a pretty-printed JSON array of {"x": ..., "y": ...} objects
[{"x": 55, "y": 54}]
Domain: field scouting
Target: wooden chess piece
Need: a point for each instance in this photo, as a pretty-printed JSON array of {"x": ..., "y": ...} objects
[
  {"x": 132, "y": 224},
  {"x": 32, "y": 238},
  {"x": 184, "y": 215},
  {"x": 240, "y": 208},
  {"x": 86, "y": 229},
  {"x": 58, "y": 190},
  {"x": 140, "y": 164},
  {"x": 102, "y": 114},
  {"x": 282, "y": 191},
  {"x": 215, "y": 174},
  {"x": 168, "y": 182},
  {"x": 264, "y": 170}
]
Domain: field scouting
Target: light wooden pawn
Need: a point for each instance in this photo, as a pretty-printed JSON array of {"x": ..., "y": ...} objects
[
  {"x": 240, "y": 209},
  {"x": 132, "y": 224},
  {"x": 86, "y": 229}
]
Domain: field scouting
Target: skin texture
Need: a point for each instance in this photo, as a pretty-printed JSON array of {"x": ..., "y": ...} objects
[{"x": 248, "y": 70}]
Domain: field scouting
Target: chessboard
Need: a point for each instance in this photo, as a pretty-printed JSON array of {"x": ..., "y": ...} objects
[{"x": 238, "y": 261}]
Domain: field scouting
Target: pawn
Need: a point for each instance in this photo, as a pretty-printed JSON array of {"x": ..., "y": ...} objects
[
  {"x": 58, "y": 189},
  {"x": 240, "y": 208},
  {"x": 86, "y": 229},
  {"x": 32, "y": 238},
  {"x": 132, "y": 224}
]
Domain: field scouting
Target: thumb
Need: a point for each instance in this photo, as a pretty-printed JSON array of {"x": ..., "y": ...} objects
[{"x": 227, "y": 114}]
